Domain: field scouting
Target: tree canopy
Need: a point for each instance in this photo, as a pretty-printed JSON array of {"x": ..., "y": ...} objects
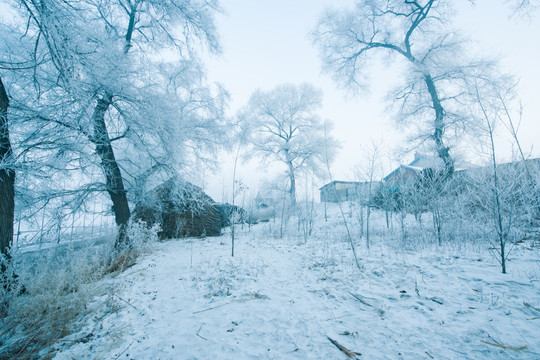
[{"x": 285, "y": 127}]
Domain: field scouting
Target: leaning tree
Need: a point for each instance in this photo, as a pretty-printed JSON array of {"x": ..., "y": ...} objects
[{"x": 417, "y": 33}]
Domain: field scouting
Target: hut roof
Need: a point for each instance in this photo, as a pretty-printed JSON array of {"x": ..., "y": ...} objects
[
  {"x": 182, "y": 209},
  {"x": 177, "y": 193}
]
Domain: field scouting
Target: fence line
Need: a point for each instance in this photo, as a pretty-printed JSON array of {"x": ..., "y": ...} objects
[{"x": 51, "y": 230}]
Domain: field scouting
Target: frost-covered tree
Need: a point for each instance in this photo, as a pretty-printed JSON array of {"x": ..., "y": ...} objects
[
  {"x": 124, "y": 80},
  {"x": 417, "y": 34},
  {"x": 501, "y": 194},
  {"x": 286, "y": 128}
]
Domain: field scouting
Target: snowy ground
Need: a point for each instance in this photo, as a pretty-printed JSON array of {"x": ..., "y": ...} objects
[{"x": 285, "y": 299}]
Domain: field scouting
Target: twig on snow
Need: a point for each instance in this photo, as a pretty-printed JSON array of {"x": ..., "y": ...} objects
[
  {"x": 213, "y": 307},
  {"x": 127, "y": 302},
  {"x": 350, "y": 354},
  {"x": 357, "y": 297},
  {"x": 504, "y": 346},
  {"x": 437, "y": 300},
  {"x": 126, "y": 349},
  {"x": 380, "y": 311},
  {"x": 202, "y": 337}
]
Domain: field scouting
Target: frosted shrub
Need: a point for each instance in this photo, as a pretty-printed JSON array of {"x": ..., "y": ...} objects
[
  {"x": 140, "y": 239},
  {"x": 141, "y": 236}
]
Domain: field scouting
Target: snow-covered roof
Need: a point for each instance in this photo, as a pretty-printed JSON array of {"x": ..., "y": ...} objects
[
  {"x": 414, "y": 169},
  {"x": 422, "y": 161},
  {"x": 426, "y": 162}
]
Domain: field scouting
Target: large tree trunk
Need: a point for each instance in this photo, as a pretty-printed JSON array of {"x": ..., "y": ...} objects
[
  {"x": 438, "y": 132},
  {"x": 115, "y": 184},
  {"x": 292, "y": 179},
  {"x": 113, "y": 176},
  {"x": 7, "y": 177}
]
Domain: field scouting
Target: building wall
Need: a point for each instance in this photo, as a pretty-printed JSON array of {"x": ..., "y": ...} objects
[
  {"x": 343, "y": 186},
  {"x": 340, "y": 192},
  {"x": 328, "y": 194}
]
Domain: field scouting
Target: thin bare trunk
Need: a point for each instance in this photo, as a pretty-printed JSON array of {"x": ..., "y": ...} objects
[
  {"x": 498, "y": 216},
  {"x": 437, "y": 223},
  {"x": 402, "y": 223},
  {"x": 233, "y": 213},
  {"x": 361, "y": 220},
  {"x": 498, "y": 211},
  {"x": 368, "y": 215},
  {"x": 353, "y": 248},
  {"x": 370, "y": 190}
]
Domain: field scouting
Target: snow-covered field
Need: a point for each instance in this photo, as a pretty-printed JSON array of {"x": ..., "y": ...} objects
[{"x": 283, "y": 298}]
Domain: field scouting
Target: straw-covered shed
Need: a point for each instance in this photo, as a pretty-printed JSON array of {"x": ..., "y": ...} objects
[{"x": 182, "y": 209}]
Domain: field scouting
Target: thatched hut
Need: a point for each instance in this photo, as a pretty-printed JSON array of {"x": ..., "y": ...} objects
[{"x": 182, "y": 209}]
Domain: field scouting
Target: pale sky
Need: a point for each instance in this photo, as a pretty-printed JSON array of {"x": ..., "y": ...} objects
[{"x": 266, "y": 43}]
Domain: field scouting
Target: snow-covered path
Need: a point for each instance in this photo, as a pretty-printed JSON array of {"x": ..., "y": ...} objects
[{"x": 281, "y": 300}]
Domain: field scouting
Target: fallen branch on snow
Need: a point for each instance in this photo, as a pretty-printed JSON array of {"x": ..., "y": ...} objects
[
  {"x": 198, "y": 331},
  {"x": 504, "y": 346},
  {"x": 350, "y": 354},
  {"x": 213, "y": 307},
  {"x": 127, "y": 302},
  {"x": 359, "y": 298}
]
